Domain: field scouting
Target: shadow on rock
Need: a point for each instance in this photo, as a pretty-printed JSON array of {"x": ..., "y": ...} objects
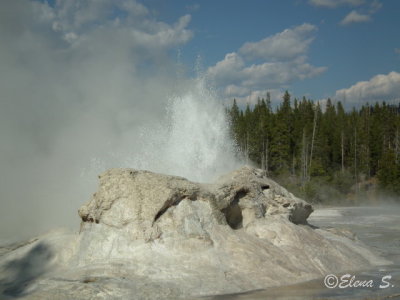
[
  {"x": 312, "y": 226},
  {"x": 20, "y": 274}
]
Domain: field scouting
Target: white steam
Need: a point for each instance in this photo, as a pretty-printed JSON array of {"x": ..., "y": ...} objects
[
  {"x": 191, "y": 139},
  {"x": 85, "y": 86},
  {"x": 194, "y": 140}
]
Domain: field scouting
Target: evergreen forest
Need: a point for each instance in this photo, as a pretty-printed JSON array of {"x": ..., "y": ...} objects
[{"x": 323, "y": 154}]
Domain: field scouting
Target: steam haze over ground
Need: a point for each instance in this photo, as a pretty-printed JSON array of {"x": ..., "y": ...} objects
[{"x": 79, "y": 96}]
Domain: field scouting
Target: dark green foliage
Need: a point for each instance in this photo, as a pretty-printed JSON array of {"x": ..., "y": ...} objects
[
  {"x": 389, "y": 172},
  {"x": 315, "y": 150}
]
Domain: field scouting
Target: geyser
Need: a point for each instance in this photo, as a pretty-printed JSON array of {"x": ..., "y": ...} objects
[{"x": 193, "y": 141}]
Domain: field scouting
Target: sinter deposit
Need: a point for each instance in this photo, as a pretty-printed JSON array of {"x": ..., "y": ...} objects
[{"x": 148, "y": 236}]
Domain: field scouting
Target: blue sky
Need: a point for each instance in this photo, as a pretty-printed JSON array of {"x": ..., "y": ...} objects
[
  {"x": 354, "y": 51},
  {"x": 347, "y": 50}
]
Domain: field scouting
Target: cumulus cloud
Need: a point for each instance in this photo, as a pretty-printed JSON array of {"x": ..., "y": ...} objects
[
  {"x": 233, "y": 90},
  {"x": 283, "y": 61},
  {"x": 336, "y": 3},
  {"x": 279, "y": 73},
  {"x": 75, "y": 78},
  {"x": 228, "y": 69},
  {"x": 362, "y": 14},
  {"x": 287, "y": 44},
  {"x": 379, "y": 88},
  {"x": 355, "y": 17}
]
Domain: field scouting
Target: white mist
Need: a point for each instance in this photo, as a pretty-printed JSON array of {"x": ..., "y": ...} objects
[{"x": 193, "y": 141}]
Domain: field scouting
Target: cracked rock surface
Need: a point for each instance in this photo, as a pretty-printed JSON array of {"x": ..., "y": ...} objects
[{"x": 153, "y": 236}]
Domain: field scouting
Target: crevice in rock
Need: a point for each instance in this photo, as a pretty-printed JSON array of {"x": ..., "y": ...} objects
[
  {"x": 87, "y": 218},
  {"x": 233, "y": 212},
  {"x": 173, "y": 201},
  {"x": 265, "y": 187}
]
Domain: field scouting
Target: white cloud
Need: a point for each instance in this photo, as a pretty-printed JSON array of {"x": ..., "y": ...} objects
[
  {"x": 379, "y": 88},
  {"x": 85, "y": 18},
  {"x": 355, "y": 17},
  {"x": 375, "y": 6},
  {"x": 193, "y": 7},
  {"x": 283, "y": 61},
  {"x": 364, "y": 13},
  {"x": 232, "y": 91},
  {"x": 161, "y": 36},
  {"x": 276, "y": 74},
  {"x": 134, "y": 8},
  {"x": 336, "y": 3},
  {"x": 284, "y": 45},
  {"x": 228, "y": 69},
  {"x": 253, "y": 97}
]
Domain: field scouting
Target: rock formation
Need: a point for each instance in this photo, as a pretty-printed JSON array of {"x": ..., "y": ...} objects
[
  {"x": 159, "y": 236},
  {"x": 137, "y": 200}
]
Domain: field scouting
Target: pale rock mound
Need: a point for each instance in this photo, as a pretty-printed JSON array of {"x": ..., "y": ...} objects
[{"x": 148, "y": 236}]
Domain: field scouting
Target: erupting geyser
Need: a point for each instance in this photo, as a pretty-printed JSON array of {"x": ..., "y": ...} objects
[{"x": 193, "y": 141}]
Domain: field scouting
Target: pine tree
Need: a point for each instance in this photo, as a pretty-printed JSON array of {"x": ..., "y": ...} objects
[{"x": 281, "y": 137}]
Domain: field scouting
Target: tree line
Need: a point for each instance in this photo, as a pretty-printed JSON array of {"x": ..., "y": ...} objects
[{"x": 321, "y": 152}]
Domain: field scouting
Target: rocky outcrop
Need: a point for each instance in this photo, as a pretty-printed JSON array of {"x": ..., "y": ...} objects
[
  {"x": 137, "y": 200},
  {"x": 159, "y": 236},
  {"x": 259, "y": 197}
]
